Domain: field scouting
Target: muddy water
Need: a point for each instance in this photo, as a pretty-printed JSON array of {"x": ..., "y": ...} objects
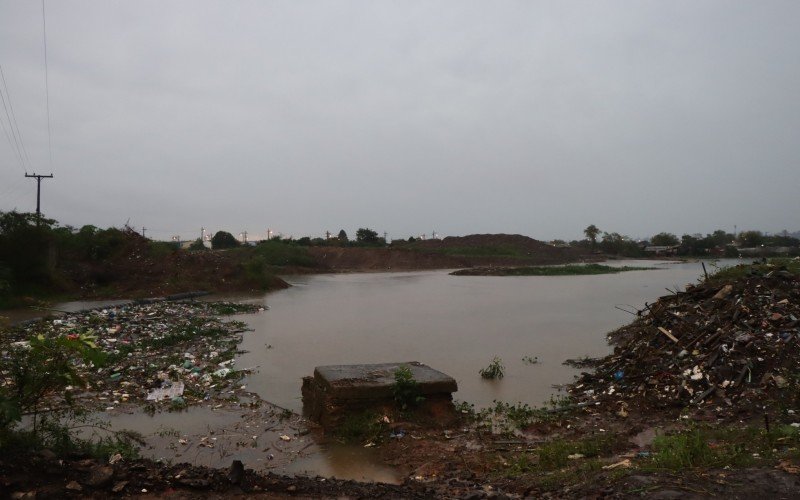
[
  {"x": 453, "y": 323},
  {"x": 14, "y": 316}
]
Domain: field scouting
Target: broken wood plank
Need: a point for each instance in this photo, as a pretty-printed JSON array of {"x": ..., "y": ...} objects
[{"x": 668, "y": 334}]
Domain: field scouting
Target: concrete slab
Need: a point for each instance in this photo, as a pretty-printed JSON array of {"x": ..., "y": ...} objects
[{"x": 375, "y": 381}]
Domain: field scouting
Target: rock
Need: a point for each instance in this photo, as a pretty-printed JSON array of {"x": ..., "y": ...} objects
[
  {"x": 118, "y": 487},
  {"x": 100, "y": 477},
  {"x": 236, "y": 473},
  {"x": 19, "y": 495},
  {"x": 74, "y": 486}
]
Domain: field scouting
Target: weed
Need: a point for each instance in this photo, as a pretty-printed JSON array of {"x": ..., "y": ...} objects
[
  {"x": 528, "y": 360},
  {"x": 406, "y": 389},
  {"x": 704, "y": 447},
  {"x": 466, "y": 409},
  {"x": 50, "y": 433},
  {"x": 495, "y": 370},
  {"x": 364, "y": 427}
]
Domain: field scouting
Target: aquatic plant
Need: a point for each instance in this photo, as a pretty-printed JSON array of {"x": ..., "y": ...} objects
[{"x": 495, "y": 370}]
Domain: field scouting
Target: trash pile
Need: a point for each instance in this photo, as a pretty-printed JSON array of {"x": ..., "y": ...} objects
[
  {"x": 731, "y": 346},
  {"x": 162, "y": 354}
]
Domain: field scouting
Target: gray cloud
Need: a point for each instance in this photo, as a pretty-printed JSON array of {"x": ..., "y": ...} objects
[{"x": 529, "y": 117}]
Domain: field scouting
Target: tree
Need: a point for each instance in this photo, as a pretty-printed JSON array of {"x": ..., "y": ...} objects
[
  {"x": 223, "y": 239},
  {"x": 197, "y": 245},
  {"x": 591, "y": 233},
  {"x": 367, "y": 236},
  {"x": 751, "y": 238},
  {"x": 664, "y": 240},
  {"x": 343, "y": 236}
]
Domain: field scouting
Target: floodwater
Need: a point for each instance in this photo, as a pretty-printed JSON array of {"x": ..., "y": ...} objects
[{"x": 455, "y": 324}]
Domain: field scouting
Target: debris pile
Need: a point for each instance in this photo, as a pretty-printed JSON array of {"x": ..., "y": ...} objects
[
  {"x": 728, "y": 345},
  {"x": 163, "y": 353}
]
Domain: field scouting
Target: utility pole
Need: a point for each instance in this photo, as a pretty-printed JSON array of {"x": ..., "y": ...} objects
[
  {"x": 269, "y": 234},
  {"x": 202, "y": 233},
  {"x": 327, "y": 235},
  {"x": 244, "y": 237},
  {"x": 143, "y": 230},
  {"x": 38, "y": 190}
]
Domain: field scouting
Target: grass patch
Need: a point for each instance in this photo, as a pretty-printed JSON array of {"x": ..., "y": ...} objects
[
  {"x": 742, "y": 271},
  {"x": 555, "y": 454},
  {"x": 706, "y": 447}
]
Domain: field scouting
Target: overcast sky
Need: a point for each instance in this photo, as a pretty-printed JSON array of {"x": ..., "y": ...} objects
[{"x": 529, "y": 117}]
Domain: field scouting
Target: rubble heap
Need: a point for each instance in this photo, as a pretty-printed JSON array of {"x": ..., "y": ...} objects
[{"x": 731, "y": 344}]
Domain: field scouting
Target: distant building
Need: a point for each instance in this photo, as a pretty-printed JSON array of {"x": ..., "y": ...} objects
[{"x": 662, "y": 250}]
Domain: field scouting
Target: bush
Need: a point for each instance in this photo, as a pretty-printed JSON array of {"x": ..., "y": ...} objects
[{"x": 406, "y": 389}]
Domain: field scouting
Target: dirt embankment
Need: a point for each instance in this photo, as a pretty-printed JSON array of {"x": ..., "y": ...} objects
[
  {"x": 449, "y": 253},
  {"x": 136, "y": 271},
  {"x": 339, "y": 259}
]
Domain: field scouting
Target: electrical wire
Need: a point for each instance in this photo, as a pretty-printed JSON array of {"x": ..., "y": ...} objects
[
  {"x": 14, "y": 116},
  {"x": 10, "y": 142},
  {"x": 15, "y": 145}
]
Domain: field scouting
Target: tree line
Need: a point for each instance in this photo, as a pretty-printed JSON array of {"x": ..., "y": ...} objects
[{"x": 717, "y": 243}]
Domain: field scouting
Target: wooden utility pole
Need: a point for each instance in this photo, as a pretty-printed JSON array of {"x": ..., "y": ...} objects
[
  {"x": 143, "y": 230},
  {"x": 38, "y": 190}
]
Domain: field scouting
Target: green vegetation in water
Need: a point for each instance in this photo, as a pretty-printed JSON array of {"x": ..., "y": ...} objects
[
  {"x": 406, "y": 389},
  {"x": 495, "y": 370},
  {"x": 568, "y": 270},
  {"x": 230, "y": 308},
  {"x": 530, "y": 360},
  {"x": 509, "y": 418}
]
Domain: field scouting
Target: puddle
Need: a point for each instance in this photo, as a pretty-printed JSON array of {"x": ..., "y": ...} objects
[
  {"x": 265, "y": 439},
  {"x": 346, "y": 462}
]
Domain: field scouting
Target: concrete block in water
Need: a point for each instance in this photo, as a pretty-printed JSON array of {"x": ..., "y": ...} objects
[{"x": 335, "y": 390}]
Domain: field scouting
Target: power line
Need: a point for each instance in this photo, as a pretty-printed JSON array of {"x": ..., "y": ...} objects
[
  {"x": 47, "y": 87},
  {"x": 14, "y": 116},
  {"x": 10, "y": 142}
]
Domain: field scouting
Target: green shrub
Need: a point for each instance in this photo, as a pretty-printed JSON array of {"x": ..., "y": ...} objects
[{"x": 406, "y": 389}]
